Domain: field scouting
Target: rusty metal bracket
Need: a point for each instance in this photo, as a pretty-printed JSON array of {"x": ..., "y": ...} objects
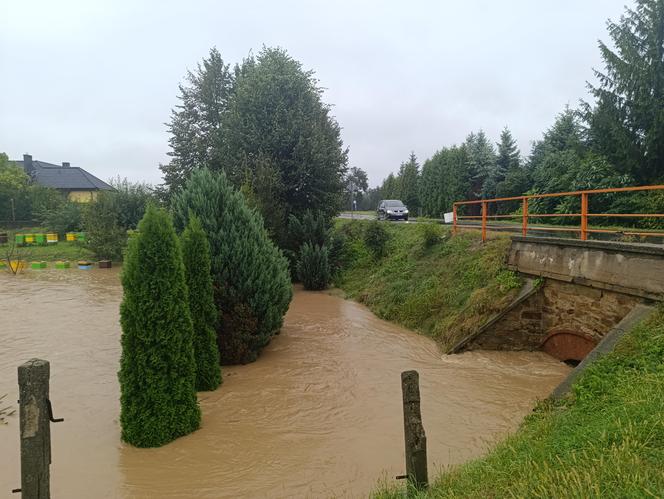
[{"x": 50, "y": 413}]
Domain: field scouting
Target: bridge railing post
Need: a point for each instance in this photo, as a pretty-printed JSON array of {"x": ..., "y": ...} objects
[
  {"x": 524, "y": 221},
  {"x": 584, "y": 216},
  {"x": 484, "y": 218},
  {"x": 454, "y": 219}
]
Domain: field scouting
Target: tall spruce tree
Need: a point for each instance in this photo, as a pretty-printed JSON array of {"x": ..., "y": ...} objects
[
  {"x": 508, "y": 155},
  {"x": 196, "y": 257},
  {"x": 409, "y": 176},
  {"x": 195, "y": 124},
  {"x": 391, "y": 187},
  {"x": 481, "y": 165},
  {"x": 445, "y": 179},
  {"x": 626, "y": 123},
  {"x": 157, "y": 368},
  {"x": 252, "y": 285}
]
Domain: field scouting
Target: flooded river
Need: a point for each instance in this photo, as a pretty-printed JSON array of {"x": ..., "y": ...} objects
[{"x": 318, "y": 415}]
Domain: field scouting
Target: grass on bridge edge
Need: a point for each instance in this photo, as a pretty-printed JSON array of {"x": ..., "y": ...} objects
[{"x": 606, "y": 439}]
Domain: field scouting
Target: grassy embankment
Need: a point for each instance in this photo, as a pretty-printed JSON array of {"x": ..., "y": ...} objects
[
  {"x": 606, "y": 439},
  {"x": 445, "y": 290}
]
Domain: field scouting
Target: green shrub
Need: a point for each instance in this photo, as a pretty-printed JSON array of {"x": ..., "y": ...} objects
[
  {"x": 337, "y": 253},
  {"x": 430, "y": 233},
  {"x": 104, "y": 235},
  {"x": 250, "y": 274},
  {"x": 157, "y": 368},
  {"x": 196, "y": 257},
  {"x": 313, "y": 267},
  {"x": 64, "y": 218},
  {"x": 131, "y": 200},
  {"x": 508, "y": 279},
  {"x": 107, "y": 219},
  {"x": 376, "y": 238},
  {"x": 312, "y": 228}
]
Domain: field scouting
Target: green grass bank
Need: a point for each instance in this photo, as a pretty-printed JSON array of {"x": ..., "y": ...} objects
[
  {"x": 606, "y": 439},
  {"x": 428, "y": 281}
]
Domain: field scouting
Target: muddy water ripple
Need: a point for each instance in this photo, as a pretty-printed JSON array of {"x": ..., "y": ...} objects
[{"x": 319, "y": 414}]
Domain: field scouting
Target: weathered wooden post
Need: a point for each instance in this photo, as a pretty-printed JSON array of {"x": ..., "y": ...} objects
[
  {"x": 416, "y": 440},
  {"x": 35, "y": 415}
]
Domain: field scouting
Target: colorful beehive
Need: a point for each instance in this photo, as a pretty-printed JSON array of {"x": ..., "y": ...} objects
[
  {"x": 19, "y": 239},
  {"x": 84, "y": 265},
  {"x": 105, "y": 264},
  {"x": 51, "y": 238},
  {"x": 17, "y": 265},
  {"x": 29, "y": 239},
  {"x": 80, "y": 236},
  {"x": 62, "y": 265},
  {"x": 70, "y": 236},
  {"x": 38, "y": 265},
  {"x": 40, "y": 239}
]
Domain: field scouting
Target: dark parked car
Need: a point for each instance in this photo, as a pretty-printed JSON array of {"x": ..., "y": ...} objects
[{"x": 392, "y": 209}]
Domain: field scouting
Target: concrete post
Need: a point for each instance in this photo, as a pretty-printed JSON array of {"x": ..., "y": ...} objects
[
  {"x": 416, "y": 440},
  {"x": 34, "y": 414}
]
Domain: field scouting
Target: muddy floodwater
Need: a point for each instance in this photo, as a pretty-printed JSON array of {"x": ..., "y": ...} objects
[{"x": 318, "y": 415}]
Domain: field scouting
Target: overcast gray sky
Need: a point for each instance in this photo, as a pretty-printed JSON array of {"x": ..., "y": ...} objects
[{"x": 92, "y": 82}]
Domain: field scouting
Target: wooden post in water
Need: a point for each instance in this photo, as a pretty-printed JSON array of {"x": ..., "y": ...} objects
[
  {"x": 416, "y": 440},
  {"x": 34, "y": 415}
]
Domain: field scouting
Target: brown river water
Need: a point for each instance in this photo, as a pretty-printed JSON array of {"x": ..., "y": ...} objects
[{"x": 318, "y": 415}]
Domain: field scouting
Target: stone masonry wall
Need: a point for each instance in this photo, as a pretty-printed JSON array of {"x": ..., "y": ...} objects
[
  {"x": 557, "y": 305},
  {"x": 584, "y": 310}
]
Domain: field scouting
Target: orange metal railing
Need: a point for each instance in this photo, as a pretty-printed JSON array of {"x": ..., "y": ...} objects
[{"x": 584, "y": 230}]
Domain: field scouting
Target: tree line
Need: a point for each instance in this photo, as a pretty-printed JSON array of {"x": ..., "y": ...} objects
[{"x": 614, "y": 140}]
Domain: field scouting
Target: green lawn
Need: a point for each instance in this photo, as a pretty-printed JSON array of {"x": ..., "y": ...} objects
[{"x": 62, "y": 250}]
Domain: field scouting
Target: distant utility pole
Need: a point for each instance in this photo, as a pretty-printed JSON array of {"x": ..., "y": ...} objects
[{"x": 13, "y": 210}]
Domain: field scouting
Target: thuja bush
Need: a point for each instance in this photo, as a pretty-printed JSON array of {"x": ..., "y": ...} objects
[
  {"x": 313, "y": 267},
  {"x": 196, "y": 257},
  {"x": 157, "y": 368},
  {"x": 252, "y": 286}
]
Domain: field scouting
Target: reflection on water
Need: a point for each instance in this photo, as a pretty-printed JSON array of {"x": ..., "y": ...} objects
[{"x": 318, "y": 415}]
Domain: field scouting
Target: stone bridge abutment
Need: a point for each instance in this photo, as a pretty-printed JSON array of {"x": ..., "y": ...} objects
[{"x": 577, "y": 292}]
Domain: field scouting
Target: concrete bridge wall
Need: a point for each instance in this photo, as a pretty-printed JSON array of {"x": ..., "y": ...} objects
[
  {"x": 585, "y": 289},
  {"x": 636, "y": 269}
]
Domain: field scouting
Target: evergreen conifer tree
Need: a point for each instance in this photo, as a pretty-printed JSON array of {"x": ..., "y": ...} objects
[
  {"x": 196, "y": 257},
  {"x": 195, "y": 125},
  {"x": 409, "y": 176},
  {"x": 627, "y": 120},
  {"x": 508, "y": 155},
  {"x": 157, "y": 368},
  {"x": 252, "y": 285}
]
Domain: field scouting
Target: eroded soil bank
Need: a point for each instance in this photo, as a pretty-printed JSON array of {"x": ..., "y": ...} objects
[{"x": 318, "y": 415}]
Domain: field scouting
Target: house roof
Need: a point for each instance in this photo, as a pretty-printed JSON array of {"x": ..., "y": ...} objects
[{"x": 65, "y": 177}]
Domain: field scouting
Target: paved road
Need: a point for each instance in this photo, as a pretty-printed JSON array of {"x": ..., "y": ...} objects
[{"x": 363, "y": 216}]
